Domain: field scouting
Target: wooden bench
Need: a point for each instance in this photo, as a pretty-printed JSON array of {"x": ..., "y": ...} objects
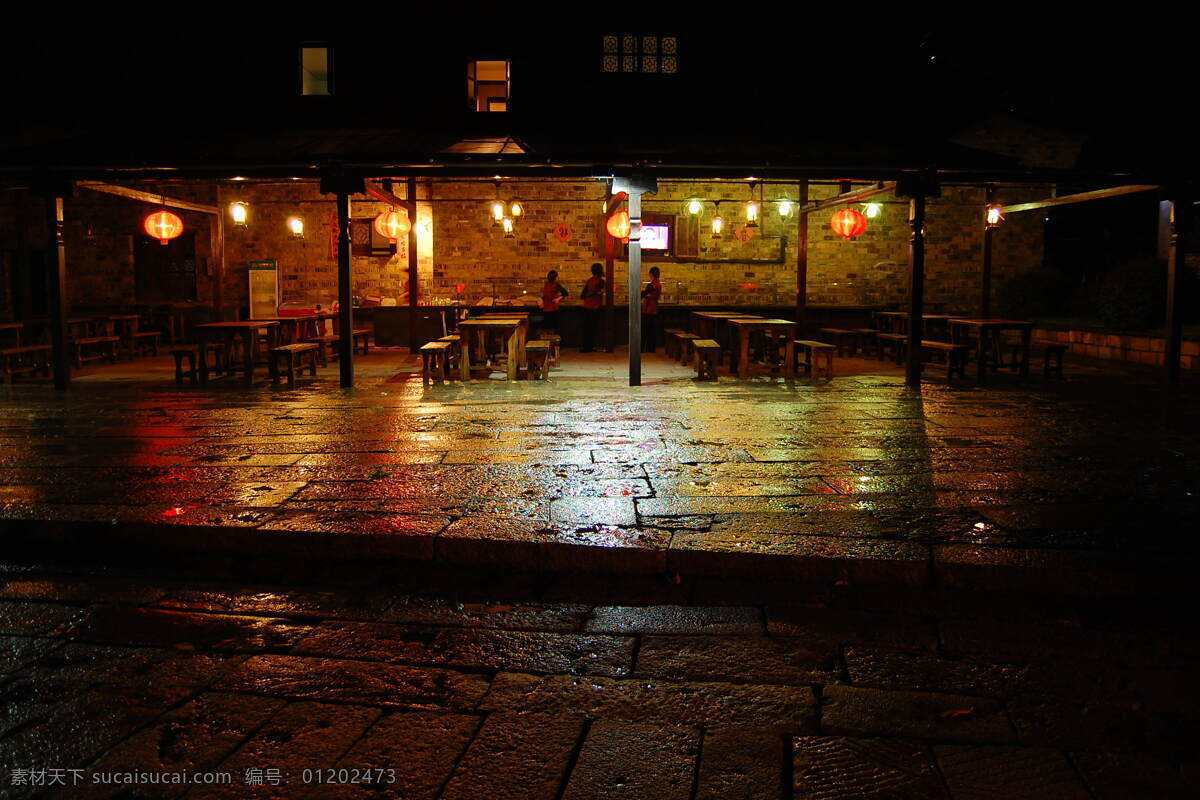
[
  {"x": 866, "y": 340},
  {"x": 671, "y": 342},
  {"x": 301, "y": 354},
  {"x": 328, "y": 340},
  {"x": 955, "y": 355},
  {"x": 844, "y": 339},
  {"x": 891, "y": 343},
  {"x": 453, "y": 353},
  {"x": 145, "y": 343},
  {"x": 708, "y": 353},
  {"x": 190, "y": 353},
  {"x": 537, "y": 357},
  {"x": 684, "y": 344},
  {"x": 807, "y": 353},
  {"x": 555, "y": 341},
  {"x": 360, "y": 339},
  {"x": 435, "y": 361},
  {"x": 96, "y": 348},
  {"x": 33, "y": 358},
  {"x": 1052, "y": 352}
]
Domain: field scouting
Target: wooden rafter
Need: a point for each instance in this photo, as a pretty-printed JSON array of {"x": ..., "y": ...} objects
[
  {"x": 1082, "y": 197},
  {"x": 383, "y": 195},
  {"x": 855, "y": 196},
  {"x": 148, "y": 197}
]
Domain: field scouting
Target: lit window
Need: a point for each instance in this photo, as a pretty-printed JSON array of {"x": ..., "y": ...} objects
[
  {"x": 316, "y": 71},
  {"x": 488, "y": 85},
  {"x": 645, "y": 54}
]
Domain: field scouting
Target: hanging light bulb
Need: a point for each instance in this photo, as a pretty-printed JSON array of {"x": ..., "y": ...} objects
[
  {"x": 507, "y": 224},
  {"x": 785, "y": 207},
  {"x": 498, "y": 211},
  {"x": 296, "y": 226},
  {"x": 995, "y": 215},
  {"x": 240, "y": 212},
  {"x": 516, "y": 208},
  {"x": 693, "y": 206},
  {"x": 872, "y": 210},
  {"x": 752, "y": 214},
  {"x": 718, "y": 223}
]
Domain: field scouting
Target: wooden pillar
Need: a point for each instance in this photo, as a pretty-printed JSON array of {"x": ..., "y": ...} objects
[
  {"x": 345, "y": 293},
  {"x": 985, "y": 279},
  {"x": 635, "y": 288},
  {"x": 414, "y": 288},
  {"x": 916, "y": 290},
  {"x": 610, "y": 312},
  {"x": 1181, "y": 212},
  {"x": 216, "y": 234},
  {"x": 57, "y": 290},
  {"x": 802, "y": 260}
]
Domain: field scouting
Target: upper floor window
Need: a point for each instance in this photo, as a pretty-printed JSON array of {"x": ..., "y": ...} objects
[
  {"x": 316, "y": 70},
  {"x": 644, "y": 54},
  {"x": 488, "y": 85}
]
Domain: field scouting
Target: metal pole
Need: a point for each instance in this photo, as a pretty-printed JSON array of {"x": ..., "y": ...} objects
[
  {"x": 985, "y": 280},
  {"x": 916, "y": 291},
  {"x": 1181, "y": 208},
  {"x": 802, "y": 261},
  {"x": 58, "y": 292},
  {"x": 345, "y": 295},
  {"x": 635, "y": 288}
]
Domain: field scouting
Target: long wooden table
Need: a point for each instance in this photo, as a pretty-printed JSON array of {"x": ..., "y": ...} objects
[
  {"x": 772, "y": 327},
  {"x": 473, "y": 333},
  {"x": 227, "y": 332},
  {"x": 986, "y": 331},
  {"x": 704, "y": 323},
  {"x": 293, "y": 328}
]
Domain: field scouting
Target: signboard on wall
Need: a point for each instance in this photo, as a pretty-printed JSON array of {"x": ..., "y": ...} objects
[{"x": 264, "y": 288}]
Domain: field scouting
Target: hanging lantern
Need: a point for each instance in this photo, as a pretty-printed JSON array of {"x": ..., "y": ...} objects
[
  {"x": 392, "y": 225},
  {"x": 848, "y": 223},
  {"x": 507, "y": 224},
  {"x": 239, "y": 212},
  {"x": 516, "y": 208},
  {"x": 785, "y": 207},
  {"x": 872, "y": 210},
  {"x": 296, "y": 226},
  {"x": 752, "y": 214},
  {"x": 995, "y": 215},
  {"x": 163, "y": 225},
  {"x": 718, "y": 225},
  {"x": 618, "y": 225},
  {"x": 497, "y": 211},
  {"x": 693, "y": 206}
]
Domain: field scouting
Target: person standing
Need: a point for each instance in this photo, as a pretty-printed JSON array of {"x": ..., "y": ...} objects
[
  {"x": 593, "y": 303},
  {"x": 552, "y": 294},
  {"x": 650, "y": 297}
]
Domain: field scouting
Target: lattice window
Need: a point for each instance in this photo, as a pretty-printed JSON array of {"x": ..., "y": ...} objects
[{"x": 650, "y": 55}]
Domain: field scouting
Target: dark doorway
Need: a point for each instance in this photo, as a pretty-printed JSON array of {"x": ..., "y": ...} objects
[
  {"x": 166, "y": 273},
  {"x": 26, "y": 282}
]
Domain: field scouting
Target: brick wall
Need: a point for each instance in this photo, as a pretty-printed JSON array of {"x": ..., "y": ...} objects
[{"x": 1121, "y": 347}]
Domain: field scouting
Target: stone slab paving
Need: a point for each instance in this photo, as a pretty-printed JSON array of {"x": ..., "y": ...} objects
[
  {"x": 1073, "y": 483},
  {"x": 453, "y": 683}
]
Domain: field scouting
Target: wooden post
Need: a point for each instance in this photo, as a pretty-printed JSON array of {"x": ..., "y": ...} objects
[
  {"x": 916, "y": 291},
  {"x": 57, "y": 298},
  {"x": 1181, "y": 211},
  {"x": 216, "y": 235},
  {"x": 610, "y": 312},
  {"x": 635, "y": 288},
  {"x": 802, "y": 262},
  {"x": 985, "y": 279},
  {"x": 414, "y": 289},
  {"x": 345, "y": 293}
]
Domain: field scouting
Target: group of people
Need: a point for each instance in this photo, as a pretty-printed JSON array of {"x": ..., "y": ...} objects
[{"x": 592, "y": 296}]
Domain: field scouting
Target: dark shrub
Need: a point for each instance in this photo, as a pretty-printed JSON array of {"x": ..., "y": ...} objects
[
  {"x": 1133, "y": 295},
  {"x": 1041, "y": 292}
]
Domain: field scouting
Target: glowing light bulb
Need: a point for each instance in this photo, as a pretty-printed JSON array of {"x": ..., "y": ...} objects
[
  {"x": 516, "y": 209},
  {"x": 498, "y": 212},
  {"x": 752, "y": 214},
  {"x": 994, "y": 216},
  {"x": 296, "y": 226},
  {"x": 694, "y": 207},
  {"x": 239, "y": 211},
  {"x": 872, "y": 210},
  {"x": 718, "y": 225},
  {"x": 785, "y": 208},
  {"x": 507, "y": 224}
]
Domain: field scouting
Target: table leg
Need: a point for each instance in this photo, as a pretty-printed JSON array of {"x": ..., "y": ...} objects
[
  {"x": 1026, "y": 340},
  {"x": 251, "y": 349},
  {"x": 514, "y": 356},
  {"x": 202, "y": 354},
  {"x": 981, "y": 355},
  {"x": 744, "y": 353},
  {"x": 789, "y": 353},
  {"x": 464, "y": 357}
]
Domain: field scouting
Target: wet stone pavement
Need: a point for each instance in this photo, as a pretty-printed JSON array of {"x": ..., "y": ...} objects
[
  {"x": 459, "y": 683},
  {"x": 1073, "y": 483}
]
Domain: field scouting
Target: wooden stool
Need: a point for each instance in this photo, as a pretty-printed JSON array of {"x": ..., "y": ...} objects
[
  {"x": 807, "y": 353},
  {"x": 322, "y": 342},
  {"x": 671, "y": 347},
  {"x": 866, "y": 340},
  {"x": 955, "y": 354},
  {"x": 1053, "y": 352},
  {"x": 708, "y": 353},
  {"x": 537, "y": 356},
  {"x": 361, "y": 340},
  {"x": 555, "y": 341},
  {"x": 844, "y": 339},
  {"x": 685, "y": 343},
  {"x": 19, "y": 360},
  {"x": 893, "y": 343},
  {"x": 434, "y": 361},
  {"x": 145, "y": 343},
  {"x": 302, "y": 354},
  {"x": 189, "y": 352},
  {"x": 96, "y": 348},
  {"x": 453, "y": 352}
]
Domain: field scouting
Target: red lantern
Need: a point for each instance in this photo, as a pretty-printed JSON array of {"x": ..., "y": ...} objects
[
  {"x": 393, "y": 224},
  {"x": 848, "y": 222},
  {"x": 618, "y": 225},
  {"x": 163, "y": 225}
]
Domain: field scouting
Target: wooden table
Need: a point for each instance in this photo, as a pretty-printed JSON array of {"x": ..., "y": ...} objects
[
  {"x": 986, "y": 330},
  {"x": 293, "y": 328},
  {"x": 474, "y": 333},
  {"x": 227, "y": 332},
  {"x": 125, "y": 326},
  {"x": 704, "y": 323},
  {"x": 523, "y": 317},
  {"x": 745, "y": 326},
  {"x": 897, "y": 321}
]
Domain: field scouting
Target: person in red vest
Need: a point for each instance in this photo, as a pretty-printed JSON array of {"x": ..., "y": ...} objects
[
  {"x": 650, "y": 296},
  {"x": 552, "y": 294},
  {"x": 593, "y": 302}
]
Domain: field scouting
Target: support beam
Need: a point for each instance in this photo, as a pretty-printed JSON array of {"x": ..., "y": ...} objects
[
  {"x": 1082, "y": 197},
  {"x": 635, "y": 288},
  {"x": 916, "y": 291},
  {"x": 855, "y": 196},
  {"x": 1181, "y": 212},
  {"x": 802, "y": 263},
  {"x": 147, "y": 197},
  {"x": 985, "y": 279},
  {"x": 384, "y": 194},
  {"x": 414, "y": 287},
  {"x": 216, "y": 260},
  {"x": 57, "y": 299},
  {"x": 345, "y": 294}
]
